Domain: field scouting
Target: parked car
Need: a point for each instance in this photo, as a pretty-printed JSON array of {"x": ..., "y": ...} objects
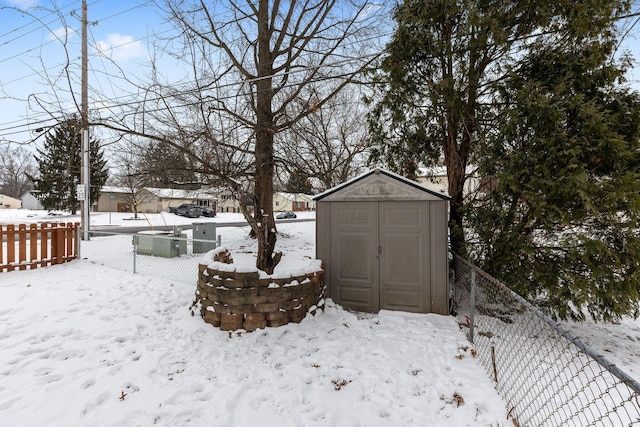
[
  {"x": 286, "y": 214},
  {"x": 189, "y": 210},
  {"x": 208, "y": 212}
]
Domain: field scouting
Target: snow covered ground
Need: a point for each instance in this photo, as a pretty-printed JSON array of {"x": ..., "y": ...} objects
[
  {"x": 83, "y": 344},
  {"x": 86, "y": 345}
]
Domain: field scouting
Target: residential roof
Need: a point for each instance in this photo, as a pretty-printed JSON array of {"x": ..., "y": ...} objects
[
  {"x": 432, "y": 171},
  {"x": 172, "y": 193},
  {"x": 294, "y": 196},
  {"x": 114, "y": 189},
  {"x": 163, "y": 193},
  {"x": 383, "y": 172}
]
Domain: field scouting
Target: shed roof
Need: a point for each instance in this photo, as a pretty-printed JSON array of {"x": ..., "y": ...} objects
[{"x": 380, "y": 184}]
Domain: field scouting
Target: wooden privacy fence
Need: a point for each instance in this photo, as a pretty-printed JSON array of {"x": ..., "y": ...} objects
[{"x": 37, "y": 245}]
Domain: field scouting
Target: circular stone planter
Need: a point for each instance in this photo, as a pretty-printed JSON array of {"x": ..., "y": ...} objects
[{"x": 234, "y": 297}]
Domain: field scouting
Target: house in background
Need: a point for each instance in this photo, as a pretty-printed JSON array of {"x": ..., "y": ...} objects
[
  {"x": 166, "y": 198},
  {"x": 295, "y": 202},
  {"x": 114, "y": 199},
  {"x": 151, "y": 200},
  {"x": 227, "y": 201},
  {"x": 436, "y": 179},
  {"x": 7, "y": 202},
  {"x": 29, "y": 201}
]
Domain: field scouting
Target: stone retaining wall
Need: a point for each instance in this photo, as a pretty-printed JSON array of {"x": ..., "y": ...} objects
[{"x": 236, "y": 297}]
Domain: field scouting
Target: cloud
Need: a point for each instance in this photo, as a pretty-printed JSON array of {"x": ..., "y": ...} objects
[
  {"x": 23, "y": 4},
  {"x": 62, "y": 33},
  {"x": 119, "y": 47}
]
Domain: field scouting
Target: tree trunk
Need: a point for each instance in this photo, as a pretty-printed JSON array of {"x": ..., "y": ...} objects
[
  {"x": 456, "y": 178},
  {"x": 264, "y": 224},
  {"x": 456, "y": 158}
]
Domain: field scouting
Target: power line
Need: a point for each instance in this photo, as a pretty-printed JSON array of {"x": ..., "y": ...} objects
[
  {"x": 197, "y": 90},
  {"x": 56, "y": 39},
  {"x": 28, "y": 24},
  {"x": 226, "y": 85}
]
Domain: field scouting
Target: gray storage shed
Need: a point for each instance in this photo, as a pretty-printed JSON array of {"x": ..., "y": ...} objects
[{"x": 384, "y": 243}]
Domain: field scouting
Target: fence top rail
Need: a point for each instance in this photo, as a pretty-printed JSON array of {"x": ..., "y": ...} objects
[
  {"x": 39, "y": 225},
  {"x": 599, "y": 358},
  {"x": 161, "y": 235}
]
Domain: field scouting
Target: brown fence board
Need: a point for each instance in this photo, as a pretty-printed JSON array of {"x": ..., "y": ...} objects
[
  {"x": 33, "y": 249},
  {"x": 37, "y": 246},
  {"x": 11, "y": 248},
  {"x": 44, "y": 246},
  {"x": 22, "y": 246}
]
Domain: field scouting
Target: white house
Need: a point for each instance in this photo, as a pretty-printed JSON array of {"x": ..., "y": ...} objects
[
  {"x": 7, "y": 202},
  {"x": 292, "y": 202},
  {"x": 151, "y": 200},
  {"x": 29, "y": 201},
  {"x": 436, "y": 179}
]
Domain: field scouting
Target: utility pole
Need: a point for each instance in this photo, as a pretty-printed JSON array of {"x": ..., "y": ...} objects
[{"x": 85, "y": 173}]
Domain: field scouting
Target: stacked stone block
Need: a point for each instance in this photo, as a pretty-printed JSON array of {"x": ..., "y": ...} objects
[{"x": 232, "y": 297}]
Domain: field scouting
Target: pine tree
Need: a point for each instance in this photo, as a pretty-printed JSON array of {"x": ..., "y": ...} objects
[
  {"x": 59, "y": 167},
  {"x": 560, "y": 215},
  {"x": 166, "y": 166},
  {"x": 299, "y": 183},
  {"x": 442, "y": 73},
  {"x": 526, "y": 92}
]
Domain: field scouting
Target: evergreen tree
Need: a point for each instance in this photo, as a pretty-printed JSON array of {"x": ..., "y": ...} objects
[
  {"x": 560, "y": 217},
  {"x": 528, "y": 93},
  {"x": 59, "y": 167},
  {"x": 166, "y": 166},
  {"x": 441, "y": 75},
  {"x": 299, "y": 183}
]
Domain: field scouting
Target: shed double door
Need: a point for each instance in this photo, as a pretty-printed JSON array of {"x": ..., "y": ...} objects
[{"x": 379, "y": 255}]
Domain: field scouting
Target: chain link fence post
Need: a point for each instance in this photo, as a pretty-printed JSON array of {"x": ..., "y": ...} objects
[
  {"x": 134, "y": 242},
  {"x": 78, "y": 243},
  {"x": 472, "y": 307}
]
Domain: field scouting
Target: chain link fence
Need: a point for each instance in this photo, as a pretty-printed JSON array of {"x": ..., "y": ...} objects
[
  {"x": 170, "y": 255},
  {"x": 546, "y": 376}
]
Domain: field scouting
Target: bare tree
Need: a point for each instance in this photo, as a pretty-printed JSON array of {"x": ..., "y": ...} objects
[
  {"x": 15, "y": 166},
  {"x": 330, "y": 144},
  {"x": 130, "y": 175},
  {"x": 256, "y": 69}
]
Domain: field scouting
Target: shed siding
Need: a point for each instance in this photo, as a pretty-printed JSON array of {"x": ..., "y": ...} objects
[
  {"x": 439, "y": 255},
  {"x": 353, "y": 249},
  {"x": 404, "y": 259},
  {"x": 383, "y": 241}
]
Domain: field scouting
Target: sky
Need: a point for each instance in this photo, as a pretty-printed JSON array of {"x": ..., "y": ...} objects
[
  {"x": 32, "y": 57},
  {"x": 121, "y": 40}
]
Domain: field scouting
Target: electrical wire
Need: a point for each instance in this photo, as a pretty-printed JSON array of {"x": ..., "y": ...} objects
[
  {"x": 4, "y": 133},
  {"x": 55, "y": 39},
  {"x": 196, "y": 90},
  {"x": 10, "y": 32}
]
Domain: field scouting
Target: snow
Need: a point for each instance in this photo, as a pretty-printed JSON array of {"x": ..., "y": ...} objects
[{"x": 87, "y": 345}]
